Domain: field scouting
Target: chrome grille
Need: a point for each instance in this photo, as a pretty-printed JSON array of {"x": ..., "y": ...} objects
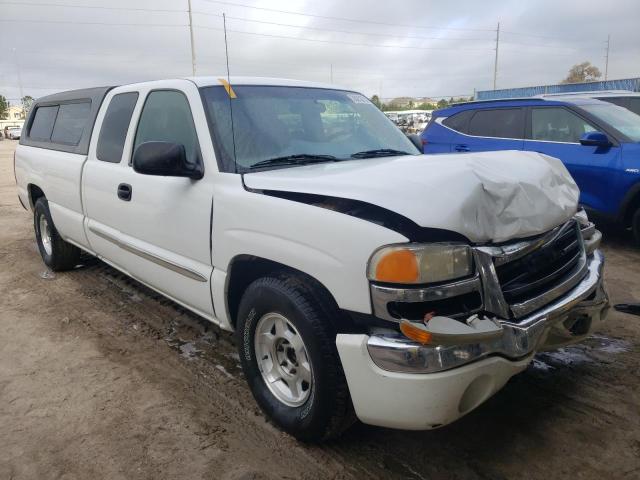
[
  {"x": 542, "y": 269},
  {"x": 520, "y": 278}
]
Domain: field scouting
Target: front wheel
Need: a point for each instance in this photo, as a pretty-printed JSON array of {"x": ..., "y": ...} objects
[
  {"x": 57, "y": 254},
  {"x": 288, "y": 353}
]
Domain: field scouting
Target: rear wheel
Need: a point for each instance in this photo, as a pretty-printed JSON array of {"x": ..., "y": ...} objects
[
  {"x": 288, "y": 353},
  {"x": 57, "y": 254}
]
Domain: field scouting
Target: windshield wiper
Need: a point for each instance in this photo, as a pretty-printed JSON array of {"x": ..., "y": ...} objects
[
  {"x": 379, "y": 152},
  {"x": 297, "y": 159}
]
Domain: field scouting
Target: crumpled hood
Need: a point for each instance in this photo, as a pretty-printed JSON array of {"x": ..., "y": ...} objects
[{"x": 485, "y": 196}]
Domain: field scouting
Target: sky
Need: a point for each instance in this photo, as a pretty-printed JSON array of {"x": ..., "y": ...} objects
[{"x": 416, "y": 48}]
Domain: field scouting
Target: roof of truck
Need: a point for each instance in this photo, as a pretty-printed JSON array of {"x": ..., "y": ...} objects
[
  {"x": 284, "y": 82},
  {"x": 95, "y": 94}
]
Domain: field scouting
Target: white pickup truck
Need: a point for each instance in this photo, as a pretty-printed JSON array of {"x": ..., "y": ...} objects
[{"x": 359, "y": 275}]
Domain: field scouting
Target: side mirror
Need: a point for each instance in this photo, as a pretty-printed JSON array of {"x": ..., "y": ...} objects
[
  {"x": 165, "y": 159},
  {"x": 595, "y": 139},
  {"x": 417, "y": 141}
]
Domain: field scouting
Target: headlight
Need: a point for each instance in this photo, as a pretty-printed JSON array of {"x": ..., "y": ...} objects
[{"x": 420, "y": 263}]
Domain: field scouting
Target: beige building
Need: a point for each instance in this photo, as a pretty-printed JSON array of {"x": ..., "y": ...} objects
[{"x": 13, "y": 118}]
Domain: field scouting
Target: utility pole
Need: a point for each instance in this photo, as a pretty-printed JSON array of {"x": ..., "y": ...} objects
[
  {"x": 193, "y": 50},
  {"x": 606, "y": 63},
  {"x": 15, "y": 59},
  {"x": 495, "y": 64}
]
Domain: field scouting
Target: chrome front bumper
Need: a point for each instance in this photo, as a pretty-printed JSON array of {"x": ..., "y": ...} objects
[{"x": 567, "y": 319}]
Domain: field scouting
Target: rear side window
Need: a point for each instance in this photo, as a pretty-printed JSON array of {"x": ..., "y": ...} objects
[
  {"x": 166, "y": 117},
  {"x": 114, "y": 127},
  {"x": 42, "y": 124},
  {"x": 70, "y": 123},
  {"x": 498, "y": 123},
  {"x": 459, "y": 122}
]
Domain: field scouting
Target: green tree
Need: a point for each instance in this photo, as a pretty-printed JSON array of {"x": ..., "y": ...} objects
[
  {"x": 442, "y": 103},
  {"x": 427, "y": 106},
  {"x": 582, "y": 72},
  {"x": 375, "y": 99},
  {"x": 26, "y": 101},
  {"x": 4, "y": 106}
]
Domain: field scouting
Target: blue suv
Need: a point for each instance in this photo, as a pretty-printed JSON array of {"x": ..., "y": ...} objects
[{"x": 597, "y": 141}]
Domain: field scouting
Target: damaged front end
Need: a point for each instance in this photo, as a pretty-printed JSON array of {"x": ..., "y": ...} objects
[{"x": 517, "y": 298}]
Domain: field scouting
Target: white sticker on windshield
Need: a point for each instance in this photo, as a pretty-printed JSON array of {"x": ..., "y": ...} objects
[{"x": 356, "y": 98}]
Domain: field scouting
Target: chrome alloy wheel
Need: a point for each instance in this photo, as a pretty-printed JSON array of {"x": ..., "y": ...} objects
[
  {"x": 45, "y": 234},
  {"x": 282, "y": 359}
]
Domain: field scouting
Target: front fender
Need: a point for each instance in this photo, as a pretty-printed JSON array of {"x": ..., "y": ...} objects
[{"x": 331, "y": 247}]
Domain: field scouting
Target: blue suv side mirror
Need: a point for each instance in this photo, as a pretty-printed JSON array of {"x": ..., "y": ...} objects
[{"x": 595, "y": 139}]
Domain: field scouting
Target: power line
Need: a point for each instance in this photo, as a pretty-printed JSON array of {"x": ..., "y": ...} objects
[
  {"x": 306, "y": 27},
  {"x": 386, "y": 35},
  {"x": 345, "y": 19},
  {"x": 564, "y": 39},
  {"x": 94, "y": 7},
  {"x": 520, "y": 52},
  {"x": 70, "y": 22},
  {"x": 372, "y": 22},
  {"x": 138, "y": 9},
  {"x": 344, "y": 43},
  {"x": 538, "y": 45}
]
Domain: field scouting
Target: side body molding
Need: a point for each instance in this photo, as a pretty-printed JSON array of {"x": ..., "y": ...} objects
[{"x": 149, "y": 256}]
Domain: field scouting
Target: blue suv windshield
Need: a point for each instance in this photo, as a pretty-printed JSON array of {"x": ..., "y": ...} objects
[{"x": 623, "y": 120}]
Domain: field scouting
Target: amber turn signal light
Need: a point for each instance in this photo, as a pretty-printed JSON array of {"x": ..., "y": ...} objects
[
  {"x": 415, "y": 332},
  {"x": 398, "y": 266}
]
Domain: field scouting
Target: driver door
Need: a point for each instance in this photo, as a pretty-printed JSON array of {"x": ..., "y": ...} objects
[
  {"x": 556, "y": 131},
  {"x": 155, "y": 228}
]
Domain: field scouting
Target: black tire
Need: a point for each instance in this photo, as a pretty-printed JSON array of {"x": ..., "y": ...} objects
[
  {"x": 62, "y": 255},
  {"x": 328, "y": 410}
]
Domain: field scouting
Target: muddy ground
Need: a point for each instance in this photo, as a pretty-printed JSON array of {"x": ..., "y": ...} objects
[{"x": 102, "y": 378}]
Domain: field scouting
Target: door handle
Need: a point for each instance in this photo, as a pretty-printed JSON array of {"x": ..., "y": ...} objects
[
  {"x": 124, "y": 192},
  {"x": 461, "y": 148}
]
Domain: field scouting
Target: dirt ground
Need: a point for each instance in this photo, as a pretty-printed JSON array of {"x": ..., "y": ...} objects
[{"x": 102, "y": 378}]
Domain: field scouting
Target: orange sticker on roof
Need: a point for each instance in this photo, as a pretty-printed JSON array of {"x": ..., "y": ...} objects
[{"x": 227, "y": 87}]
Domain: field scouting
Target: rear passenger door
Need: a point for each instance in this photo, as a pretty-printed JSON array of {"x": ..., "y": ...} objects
[
  {"x": 442, "y": 132},
  {"x": 492, "y": 129},
  {"x": 556, "y": 131},
  {"x": 156, "y": 228}
]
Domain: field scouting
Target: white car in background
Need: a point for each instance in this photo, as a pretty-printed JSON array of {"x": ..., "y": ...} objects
[{"x": 14, "y": 133}]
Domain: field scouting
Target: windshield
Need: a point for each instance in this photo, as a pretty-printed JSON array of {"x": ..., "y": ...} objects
[
  {"x": 630, "y": 103},
  {"x": 294, "y": 125},
  {"x": 623, "y": 120}
]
